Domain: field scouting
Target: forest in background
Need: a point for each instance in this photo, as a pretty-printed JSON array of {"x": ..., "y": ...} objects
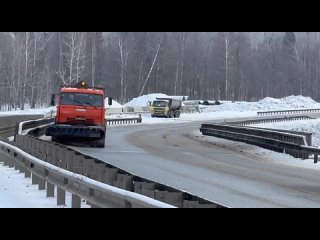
[{"x": 234, "y": 66}]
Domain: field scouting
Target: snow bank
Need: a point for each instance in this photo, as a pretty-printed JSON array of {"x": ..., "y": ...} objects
[
  {"x": 193, "y": 117},
  {"x": 266, "y": 104},
  {"x": 18, "y": 192},
  {"x": 310, "y": 126},
  {"x": 143, "y": 100},
  {"x": 40, "y": 111},
  {"x": 269, "y": 100},
  {"x": 256, "y": 153}
]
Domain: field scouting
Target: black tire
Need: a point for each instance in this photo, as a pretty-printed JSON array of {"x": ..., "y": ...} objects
[
  {"x": 177, "y": 114},
  {"x": 101, "y": 143}
]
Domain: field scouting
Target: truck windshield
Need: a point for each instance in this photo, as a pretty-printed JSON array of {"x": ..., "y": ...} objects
[
  {"x": 160, "y": 104},
  {"x": 81, "y": 99}
]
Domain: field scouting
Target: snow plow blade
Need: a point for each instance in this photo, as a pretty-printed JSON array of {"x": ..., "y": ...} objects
[{"x": 75, "y": 131}]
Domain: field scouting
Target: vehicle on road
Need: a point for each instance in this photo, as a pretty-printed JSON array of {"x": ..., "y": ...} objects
[
  {"x": 80, "y": 118},
  {"x": 165, "y": 107}
]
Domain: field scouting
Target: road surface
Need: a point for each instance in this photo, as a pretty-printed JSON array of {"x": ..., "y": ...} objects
[{"x": 164, "y": 153}]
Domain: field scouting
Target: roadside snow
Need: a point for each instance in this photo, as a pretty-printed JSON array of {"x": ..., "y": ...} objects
[
  {"x": 310, "y": 126},
  {"x": 291, "y": 102},
  {"x": 266, "y": 104},
  {"x": 143, "y": 100},
  {"x": 40, "y": 111},
  {"x": 18, "y": 192},
  {"x": 189, "y": 117},
  {"x": 257, "y": 153}
]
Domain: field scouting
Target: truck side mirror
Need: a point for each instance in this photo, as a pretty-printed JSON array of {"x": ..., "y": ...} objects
[
  {"x": 53, "y": 98},
  {"x": 110, "y": 101}
]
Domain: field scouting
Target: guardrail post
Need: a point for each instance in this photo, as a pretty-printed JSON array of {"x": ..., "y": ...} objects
[
  {"x": 21, "y": 163},
  {"x": 110, "y": 175},
  {"x": 144, "y": 188},
  {"x": 23, "y": 142},
  {"x": 10, "y": 161},
  {"x": 315, "y": 158},
  {"x": 125, "y": 182},
  {"x": 16, "y": 165},
  {"x": 34, "y": 179},
  {"x": 76, "y": 201},
  {"x": 27, "y": 173},
  {"x": 61, "y": 196},
  {"x": 5, "y": 160},
  {"x": 99, "y": 171},
  {"x": 50, "y": 190},
  {"x": 173, "y": 198},
  {"x": 42, "y": 184}
]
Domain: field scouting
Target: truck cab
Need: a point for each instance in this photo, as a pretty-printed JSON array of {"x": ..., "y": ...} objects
[{"x": 165, "y": 107}]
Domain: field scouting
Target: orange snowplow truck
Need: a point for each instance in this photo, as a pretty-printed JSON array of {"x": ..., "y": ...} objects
[{"x": 80, "y": 118}]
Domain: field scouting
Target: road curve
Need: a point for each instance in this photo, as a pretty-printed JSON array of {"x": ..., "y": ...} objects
[{"x": 164, "y": 153}]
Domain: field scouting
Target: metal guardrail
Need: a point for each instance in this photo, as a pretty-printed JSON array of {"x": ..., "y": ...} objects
[
  {"x": 127, "y": 110},
  {"x": 269, "y": 120},
  {"x": 73, "y": 161},
  {"x": 34, "y": 127},
  {"x": 143, "y": 110},
  {"x": 70, "y": 160},
  {"x": 271, "y": 134},
  {"x": 289, "y": 111},
  {"x": 39, "y": 125},
  {"x": 272, "y": 140},
  {"x": 308, "y": 136},
  {"x": 95, "y": 193},
  {"x": 8, "y": 124},
  {"x": 121, "y": 121}
]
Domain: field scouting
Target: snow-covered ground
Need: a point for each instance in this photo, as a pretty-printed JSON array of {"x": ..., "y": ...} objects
[
  {"x": 266, "y": 104},
  {"x": 18, "y": 192},
  {"x": 39, "y": 111},
  {"x": 190, "y": 117},
  {"x": 143, "y": 100},
  {"x": 310, "y": 126},
  {"x": 257, "y": 153}
]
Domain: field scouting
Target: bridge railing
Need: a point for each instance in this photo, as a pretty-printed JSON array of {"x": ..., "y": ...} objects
[
  {"x": 96, "y": 193},
  {"x": 294, "y": 144},
  {"x": 64, "y": 158},
  {"x": 290, "y": 111}
]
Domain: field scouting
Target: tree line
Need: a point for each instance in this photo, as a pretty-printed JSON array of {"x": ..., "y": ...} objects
[{"x": 203, "y": 65}]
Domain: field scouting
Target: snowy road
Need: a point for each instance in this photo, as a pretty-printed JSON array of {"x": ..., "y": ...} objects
[{"x": 164, "y": 153}]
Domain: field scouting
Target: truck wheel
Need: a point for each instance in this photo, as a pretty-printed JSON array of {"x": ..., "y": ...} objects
[
  {"x": 171, "y": 115},
  {"x": 100, "y": 143}
]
